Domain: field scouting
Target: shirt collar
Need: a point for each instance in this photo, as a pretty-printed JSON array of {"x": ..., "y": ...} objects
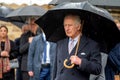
[
  {"x": 75, "y": 39},
  {"x": 44, "y": 37}
]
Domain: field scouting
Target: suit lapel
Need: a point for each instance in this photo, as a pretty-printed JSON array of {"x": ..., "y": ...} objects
[
  {"x": 66, "y": 53},
  {"x": 41, "y": 47},
  {"x": 83, "y": 42}
]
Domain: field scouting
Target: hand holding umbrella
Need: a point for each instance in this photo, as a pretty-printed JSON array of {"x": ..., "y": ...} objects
[{"x": 65, "y": 61}]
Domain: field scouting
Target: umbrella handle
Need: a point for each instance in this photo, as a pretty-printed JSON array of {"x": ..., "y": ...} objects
[
  {"x": 65, "y": 61},
  {"x": 66, "y": 66}
]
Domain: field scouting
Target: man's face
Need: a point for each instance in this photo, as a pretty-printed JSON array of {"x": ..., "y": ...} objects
[
  {"x": 25, "y": 28},
  {"x": 33, "y": 26},
  {"x": 71, "y": 28}
]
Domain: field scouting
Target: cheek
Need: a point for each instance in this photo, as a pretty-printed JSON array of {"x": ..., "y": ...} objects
[
  {"x": 74, "y": 29},
  {"x": 4, "y": 33}
]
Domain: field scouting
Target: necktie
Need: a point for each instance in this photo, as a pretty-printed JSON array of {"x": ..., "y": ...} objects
[
  {"x": 71, "y": 45},
  {"x": 45, "y": 50}
]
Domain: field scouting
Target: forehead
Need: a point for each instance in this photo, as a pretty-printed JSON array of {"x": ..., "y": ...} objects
[
  {"x": 66, "y": 20},
  {"x": 3, "y": 28},
  {"x": 69, "y": 17}
]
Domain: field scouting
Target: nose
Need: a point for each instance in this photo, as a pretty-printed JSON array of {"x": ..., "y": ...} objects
[{"x": 66, "y": 28}]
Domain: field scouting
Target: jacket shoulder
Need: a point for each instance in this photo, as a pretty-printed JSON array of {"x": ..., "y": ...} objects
[
  {"x": 91, "y": 41},
  {"x": 38, "y": 37},
  {"x": 62, "y": 41}
]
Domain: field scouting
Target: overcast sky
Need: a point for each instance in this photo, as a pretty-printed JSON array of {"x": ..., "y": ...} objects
[{"x": 29, "y": 2}]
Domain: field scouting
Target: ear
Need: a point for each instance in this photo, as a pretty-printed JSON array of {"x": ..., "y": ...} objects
[{"x": 79, "y": 27}]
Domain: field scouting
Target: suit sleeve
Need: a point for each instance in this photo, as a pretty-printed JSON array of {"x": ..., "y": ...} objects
[{"x": 93, "y": 65}]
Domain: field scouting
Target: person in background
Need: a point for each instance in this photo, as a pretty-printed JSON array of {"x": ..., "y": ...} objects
[
  {"x": 101, "y": 76},
  {"x": 40, "y": 58},
  {"x": 25, "y": 29},
  {"x": 88, "y": 59},
  {"x": 117, "y": 21},
  {"x": 25, "y": 41},
  {"x": 7, "y": 52},
  {"x": 113, "y": 63}
]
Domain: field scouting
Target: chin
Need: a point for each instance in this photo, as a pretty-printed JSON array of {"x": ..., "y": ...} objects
[{"x": 68, "y": 35}]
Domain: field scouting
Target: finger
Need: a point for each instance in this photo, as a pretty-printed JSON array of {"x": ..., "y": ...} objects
[{"x": 71, "y": 62}]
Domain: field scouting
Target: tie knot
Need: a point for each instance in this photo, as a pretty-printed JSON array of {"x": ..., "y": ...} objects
[{"x": 72, "y": 41}]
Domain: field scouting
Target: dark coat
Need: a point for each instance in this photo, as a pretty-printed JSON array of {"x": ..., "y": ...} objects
[
  {"x": 91, "y": 60},
  {"x": 13, "y": 51},
  {"x": 113, "y": 63},
  {"x": 35, "y": 56},
  {"x": 13, "y": 54},
  {"x": 24, "y": 47}
]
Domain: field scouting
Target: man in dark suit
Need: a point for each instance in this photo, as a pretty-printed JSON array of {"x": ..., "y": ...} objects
[{"x": 88, "y": 59}]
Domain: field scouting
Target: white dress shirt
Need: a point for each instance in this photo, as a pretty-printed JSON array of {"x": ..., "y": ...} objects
[
  {"x": 47, "y": 52},
  {"x": 74, "y": 43}
]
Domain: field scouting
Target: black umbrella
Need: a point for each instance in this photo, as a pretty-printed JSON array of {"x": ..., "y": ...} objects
[{"x": 98, "y": 23}]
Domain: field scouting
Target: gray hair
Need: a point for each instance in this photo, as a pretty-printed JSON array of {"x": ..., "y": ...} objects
[{"x": 75, "y": 17}]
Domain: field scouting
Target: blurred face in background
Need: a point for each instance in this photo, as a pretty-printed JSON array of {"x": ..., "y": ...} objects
[
  {"x": 25, "y": 28},
  {"x": 117, "y": 23},
  {"x": 3, "y": 31},
  {"x": 33, "y": 25}
]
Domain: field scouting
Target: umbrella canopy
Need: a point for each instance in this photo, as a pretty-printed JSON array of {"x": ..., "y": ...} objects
[
  {"x": 21, "y": 14},
  {"x": 98, "y": 23},
  {"x": 102, "y": 3},
  {"x": 106, "y": 3},
  {"x": 3, "y": 12},
  {"x": 61, "y": 1}
]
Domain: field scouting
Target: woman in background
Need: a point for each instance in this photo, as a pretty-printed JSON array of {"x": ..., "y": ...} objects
[{"x": 7, "y": 52}]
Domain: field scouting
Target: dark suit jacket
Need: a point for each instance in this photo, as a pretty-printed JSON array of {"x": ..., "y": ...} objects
[{"x": 91, "y": 60}]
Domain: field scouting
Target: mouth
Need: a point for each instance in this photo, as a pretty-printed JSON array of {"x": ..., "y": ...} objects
[{"x": 68, "y": 32}]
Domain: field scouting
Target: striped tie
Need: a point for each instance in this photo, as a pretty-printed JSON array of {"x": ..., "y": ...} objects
[{"x": 71, "y": 46}]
